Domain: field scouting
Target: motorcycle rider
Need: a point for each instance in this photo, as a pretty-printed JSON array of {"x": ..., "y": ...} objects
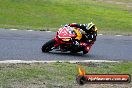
[{"x": 84, "y": 32}]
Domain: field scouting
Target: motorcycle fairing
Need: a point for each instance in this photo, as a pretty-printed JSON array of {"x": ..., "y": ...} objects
[{"x": 64, "y": 33}]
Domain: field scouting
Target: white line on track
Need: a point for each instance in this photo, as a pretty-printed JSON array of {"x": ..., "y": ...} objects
[
  {"x": 29, "y": 30},
  {"x": 70, "y": 61},
  {"x": 100, "y": 34},
  {"x": 47, "y": 31},
  {"x": 118, "y": 35},
  {"x": 13, "y": 29},
  {"x": 50, "y": 31}
]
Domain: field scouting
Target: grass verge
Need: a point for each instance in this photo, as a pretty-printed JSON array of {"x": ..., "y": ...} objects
[
  {"x": 47, "y": 14},
  {"x": 58, "y": 75}
]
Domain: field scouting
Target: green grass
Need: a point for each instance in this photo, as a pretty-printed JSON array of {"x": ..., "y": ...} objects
[
  {"x": 48, "y": 14},
  {"x": 54, "y": 74}
]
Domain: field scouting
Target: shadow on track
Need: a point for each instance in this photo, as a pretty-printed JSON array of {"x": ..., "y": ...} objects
[
  {"x": 67, "y": 53},
  {"x": 77, "y": 55}
]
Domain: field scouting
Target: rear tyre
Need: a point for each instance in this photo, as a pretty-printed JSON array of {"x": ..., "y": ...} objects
[{"x": 48, "y": 46}]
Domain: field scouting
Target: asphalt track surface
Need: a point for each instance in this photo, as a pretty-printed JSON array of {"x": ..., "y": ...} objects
[{"x": 26, "y": 45}]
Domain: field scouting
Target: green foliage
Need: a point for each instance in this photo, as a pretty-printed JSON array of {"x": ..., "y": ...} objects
[
  {"x": 41, "y": 14},
  {"x": 54, "y": 74}
]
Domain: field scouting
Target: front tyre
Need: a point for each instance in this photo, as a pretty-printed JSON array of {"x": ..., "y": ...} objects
[
  {"x": 48, "y": 45},
  {"x": 85, "y": 52}
]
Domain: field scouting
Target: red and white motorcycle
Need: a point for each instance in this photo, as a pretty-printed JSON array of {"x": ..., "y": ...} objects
[{"x": 62, "y": 42}]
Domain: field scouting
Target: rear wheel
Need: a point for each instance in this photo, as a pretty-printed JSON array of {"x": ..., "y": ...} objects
[{"x": 48, "y": 46}]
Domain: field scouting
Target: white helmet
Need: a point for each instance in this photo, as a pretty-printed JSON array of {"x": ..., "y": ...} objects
[{"x": 90, "y": 25}]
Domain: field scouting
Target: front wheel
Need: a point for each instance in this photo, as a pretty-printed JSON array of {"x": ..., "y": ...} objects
[
  {"x": 48, "y": 46},
  {"x": 86, "y": 49}
]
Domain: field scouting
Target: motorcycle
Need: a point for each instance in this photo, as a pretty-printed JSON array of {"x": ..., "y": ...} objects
[{"x": 62, "y": 42}]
